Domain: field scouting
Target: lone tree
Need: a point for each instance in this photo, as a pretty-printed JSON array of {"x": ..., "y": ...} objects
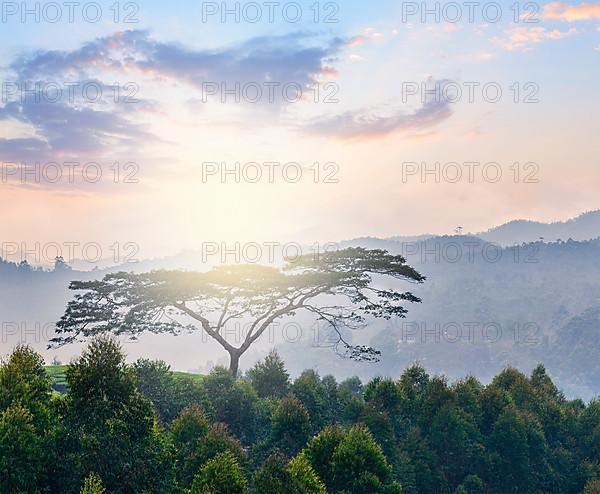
[{"x": 341, "y": 288}]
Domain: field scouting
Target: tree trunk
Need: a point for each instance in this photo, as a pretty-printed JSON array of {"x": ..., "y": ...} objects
[{"x": 234, "y": 362}]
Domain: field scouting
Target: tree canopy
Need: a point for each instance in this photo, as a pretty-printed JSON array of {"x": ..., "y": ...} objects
[
  {"x": 417, "y": 434},
  {"x": 341, "y": 289}
]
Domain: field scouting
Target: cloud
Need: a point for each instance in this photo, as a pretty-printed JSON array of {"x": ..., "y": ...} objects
[
  {"x": 560, "y": 11},
  {"x": 372, "y": 33},
  {"x": 70, "y": 123},
  {"x": 23, "y": 149},
  {"x": 74, "y": 127},
  {"x": 356, "y": 41},
  {"x": 356, "y": 58},
  {"x": 368, "y": 125},
  {"x": 65, "y": 133},
  {"x": 522, "y": 38},
  {"x": 297, "y": 57},
  {"x": 67, "y": 129},
  {"x": 484, "y": 56}
]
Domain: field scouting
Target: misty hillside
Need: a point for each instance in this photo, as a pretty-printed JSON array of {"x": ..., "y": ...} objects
[
  {"x": 543, "y": 298},
  {"x": 531, "y": 296},
  {"x": 583, "y": 227}
]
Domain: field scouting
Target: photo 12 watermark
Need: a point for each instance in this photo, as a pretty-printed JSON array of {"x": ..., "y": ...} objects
[
  {"x": 89, "y": 92},
  {"x": 468, "y": 332},
  {"x": 269, "y": 172},
  {"x": 469, "y": 251},
  {"x": 69, "y": 12},
  {"x": 469, "y": 12},
  {"x": 270, "y": 92},
  {"x": 68, "y": 172},
  {"x": 454, "y": 172},
  {"x": 265, "y": 252},
  {"x": 26, "y": 333},
  {"x": 454, "y": 92},
  {"x": 61, "y": 254},
  {"x": 271, "y": 12}
]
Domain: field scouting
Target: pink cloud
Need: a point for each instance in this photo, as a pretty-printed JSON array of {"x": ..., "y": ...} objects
[
  {"x": 356, "y": 41},
  {"x": 368, "y": 125},
  {"x": 521, "y": 38},
  {"x": 560, "y": 11}
]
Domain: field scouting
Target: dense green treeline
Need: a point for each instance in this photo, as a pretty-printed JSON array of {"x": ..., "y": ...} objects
[{"x": 140, "y": 428}]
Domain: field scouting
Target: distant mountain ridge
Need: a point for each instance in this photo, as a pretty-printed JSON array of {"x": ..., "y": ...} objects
[
  {"x": 552, "y": 287},
  {"x": 585, "y": 226}
]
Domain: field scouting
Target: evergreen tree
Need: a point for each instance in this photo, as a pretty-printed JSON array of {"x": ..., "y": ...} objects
[
  {"x": 220, "y": 475},
  {"x": 22, "y": 453},
  {"x": 290, "y": 425},
  {"x": 110, "y": 427},
  {"x": 93, "y": 485},
  {"x": 269, "y": 377}
]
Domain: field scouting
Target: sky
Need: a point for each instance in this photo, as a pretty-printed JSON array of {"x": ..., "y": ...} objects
[{"x": 167, "y": 125}]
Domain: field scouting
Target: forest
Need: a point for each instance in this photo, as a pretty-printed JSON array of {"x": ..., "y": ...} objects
[
  {"x": 559, "y": 294},
  {"x": 123, "y": 428},
  {"x": 300, "y": 247}
]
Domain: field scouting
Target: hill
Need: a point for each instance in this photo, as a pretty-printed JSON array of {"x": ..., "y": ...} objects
[{"x": 584, "y": 227}]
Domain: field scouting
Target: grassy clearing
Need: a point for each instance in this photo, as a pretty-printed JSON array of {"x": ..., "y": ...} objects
[{"x": 57, "y": 374}]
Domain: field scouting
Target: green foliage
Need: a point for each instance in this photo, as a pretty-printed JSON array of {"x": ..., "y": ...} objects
[
  {"x": 276, "y": 475},
  {"x": 350, "y": 400},
  {"x": 220, "y": 475},
  {"x": 218, "y": 441},
  {"x": 269, "y": 377},
  {"x": 332, "y": 401},
  {"x": 350, "y": 461},
  {"x": 320, "y": 450},
  {"x": 592, "y": 487},
  {"x": 471, "y": 485},
  {"x": 233, "y": 402},
  {"x": 273, "y": 476},
  {"x": 360, "y": 466},
  {"x": 418, "y": 465},
  {"x": 27, "y": 422},
  {"x": 156, "y": 382},
  {"x": 170, "y": 392},
  {"x": 512, "y": 453},
  {"x": 23, "y": 380},
  {"x": 384, "y": 413},
  {"x": 21, "y": 451},
  {"x": 591, "y": 422},
  {"x": 290, "y": 425},
  {"x": 100, "y": 382},
  {"x": 110, "y": 427},
  {"x": 196, "y": 442},
  {"x": 189, "y": 428},
  {"x": 187, "y": 435},
  {"x": 304, "y": 479},
  {"x": 454, "y": 435},
  {"x": 309, "y": 389},
  {"x": 418, "y": 434},
  {"x": 93, "y": 485}
]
